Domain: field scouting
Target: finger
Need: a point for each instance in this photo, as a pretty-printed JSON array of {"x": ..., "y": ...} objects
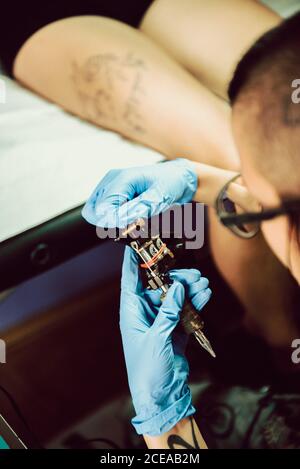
[
  {"x": 169, "y": 312},
  {"x": 196, "y": 287},
  {"x": 154, "y": 296},
  {"x": 191, "y": 279},
  {"x": 185, "y": 276},
  {"x": 133, "y": 310},
  {"x": 146, "y": 205},
  {"x": 135, "y": 315},
  {"x": 131, "y": 279},
  {"x": 200, "y": 299},
  {"x": 115, "y": 189},
  {"x": 97, "y": 197}
]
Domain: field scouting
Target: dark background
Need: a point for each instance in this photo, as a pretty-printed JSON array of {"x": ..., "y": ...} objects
[{"x": 19, "y": 20}]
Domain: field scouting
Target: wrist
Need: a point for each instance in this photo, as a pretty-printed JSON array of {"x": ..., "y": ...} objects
[
  {"x": 184, "y": 435},
  {"x": 165, "y": 417},
  {"x": 210, "y": 182},
  {"x": 189, "y": 178}
]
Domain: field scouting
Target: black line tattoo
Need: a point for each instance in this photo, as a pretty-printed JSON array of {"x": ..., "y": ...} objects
[
  {"x": 97, "y": 81},
  {"x": 178, "y": 441}
]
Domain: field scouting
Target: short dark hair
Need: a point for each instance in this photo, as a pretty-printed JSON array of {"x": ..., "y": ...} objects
[
  {"x": 262, "y": 87},
  {"x": 281, "y": 44}
]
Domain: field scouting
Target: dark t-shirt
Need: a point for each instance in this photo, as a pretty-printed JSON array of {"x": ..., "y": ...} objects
[{"x": 19, "y": 20}]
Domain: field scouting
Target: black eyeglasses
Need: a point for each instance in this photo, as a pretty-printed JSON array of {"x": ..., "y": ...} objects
[{"x": 247, "y": 224}]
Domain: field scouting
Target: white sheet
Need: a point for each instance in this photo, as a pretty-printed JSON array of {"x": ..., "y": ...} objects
[
  {"x": 284, "y": 8},
  {"x": 50, "y": 161}
]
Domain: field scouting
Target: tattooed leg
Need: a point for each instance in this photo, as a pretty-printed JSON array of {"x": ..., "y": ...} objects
[
  {"x": 114, "y": 76},
  {"x": 97, "y": 81}
]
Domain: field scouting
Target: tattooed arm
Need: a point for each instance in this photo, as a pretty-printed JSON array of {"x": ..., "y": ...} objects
[
  {"x": 114, "y": 76},
  {"x": 185, "y": 435}
]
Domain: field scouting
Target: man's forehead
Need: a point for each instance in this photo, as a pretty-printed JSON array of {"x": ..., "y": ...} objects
[
  {"x": 247, "y": 136},
  {"x": 267, "y": 147},
  {"x": 245, "y": 131},
  {"x": 246, "y": 112}
]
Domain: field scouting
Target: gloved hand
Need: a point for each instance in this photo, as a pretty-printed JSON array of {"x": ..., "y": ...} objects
[
  {"x": 154, "y": 353},
  {"x": 148, "y": 191}
]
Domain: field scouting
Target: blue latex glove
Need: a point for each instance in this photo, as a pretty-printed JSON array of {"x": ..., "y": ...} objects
[
  {"x": 148, "y": 191},
  {"x": 154, "y": 353}
]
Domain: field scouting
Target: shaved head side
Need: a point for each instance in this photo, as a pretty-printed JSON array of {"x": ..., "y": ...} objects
[{"x": 265, "y": 95}]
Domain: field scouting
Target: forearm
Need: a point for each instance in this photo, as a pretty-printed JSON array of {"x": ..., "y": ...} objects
[
  {"x": 213, "y": 34},
  {"x": 112, "y": 75},
  {"x": 185, "y": 435},
  {"x": 210, "y": 182}
]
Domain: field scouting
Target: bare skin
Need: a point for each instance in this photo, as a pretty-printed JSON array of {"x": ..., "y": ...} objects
[
  {"x": 213, "y": 34},
  {"x": 114, "y": 76},
  {"x": 185, "y": 435}
]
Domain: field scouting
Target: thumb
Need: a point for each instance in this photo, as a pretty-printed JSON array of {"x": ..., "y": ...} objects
[
  {"x": 116, "y": 188},
  {"x": 169, "y": 312}
]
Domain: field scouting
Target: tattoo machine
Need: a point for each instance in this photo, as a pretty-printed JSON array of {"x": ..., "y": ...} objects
[{"x": 157, "y": 259}]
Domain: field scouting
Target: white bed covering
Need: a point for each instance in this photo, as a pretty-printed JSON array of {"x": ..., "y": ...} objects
[{"x": 50, "y": 161}]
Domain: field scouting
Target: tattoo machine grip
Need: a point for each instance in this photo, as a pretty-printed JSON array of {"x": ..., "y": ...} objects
[
  {"x": 190, "y": 318},
  {"x": 193, "y": 324}
]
